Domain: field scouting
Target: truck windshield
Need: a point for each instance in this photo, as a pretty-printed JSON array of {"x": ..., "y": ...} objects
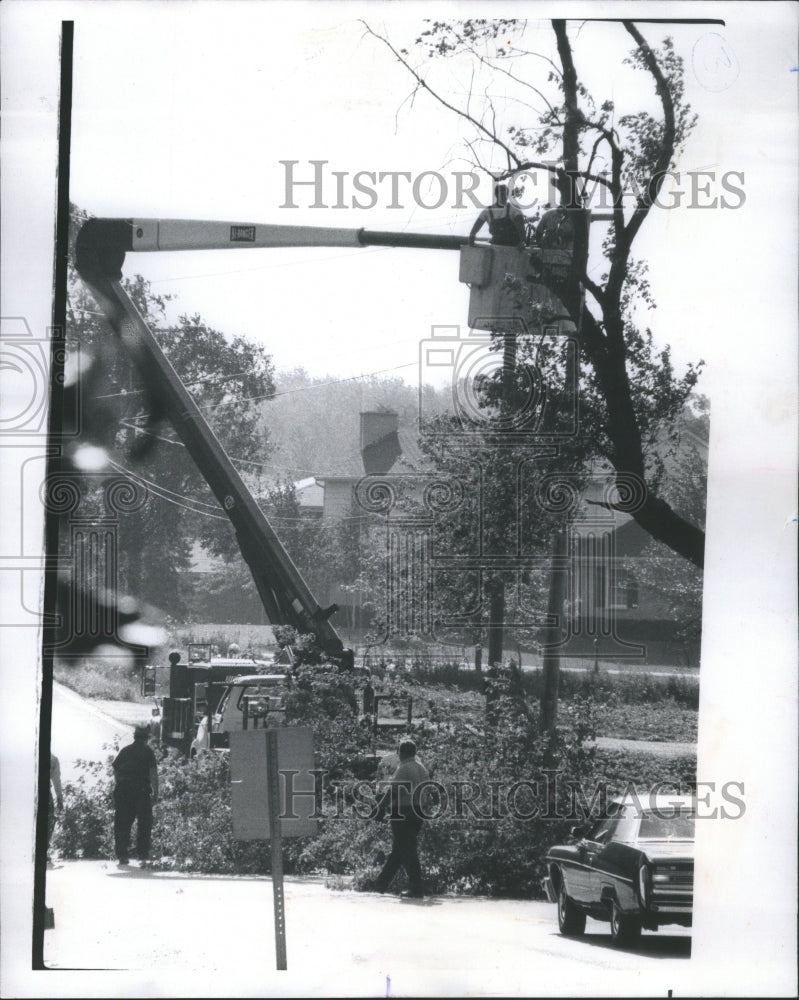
[
  {"x": 220, "y": 708},
  {"x": 272, "y": 688}
]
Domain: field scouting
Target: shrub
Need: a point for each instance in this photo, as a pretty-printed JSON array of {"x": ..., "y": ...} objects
[
  {"x": 625, "y": 688},
  {"x": 480, "y": 849},
  {"x": 85, "y": 828},
  {"x": 93, "y": 678},
  {"x": 192, "y": 827}
]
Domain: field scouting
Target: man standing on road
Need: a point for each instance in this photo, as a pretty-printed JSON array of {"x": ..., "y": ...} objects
[
  {"x": 400, "y": 799},
  {"x": 136, "y": 776}
]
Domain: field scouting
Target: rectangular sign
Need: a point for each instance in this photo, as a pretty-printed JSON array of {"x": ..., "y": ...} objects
[
  {"x": 248, "y": 778},
  {"x": 242, "y": 234}
]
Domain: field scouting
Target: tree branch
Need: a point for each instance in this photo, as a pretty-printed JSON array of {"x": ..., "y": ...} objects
[
  {"x": 665, "y": 525},
  {"x": 512, "y": 157},
  {"x": 501, "y": 69},
  {"x": 669, "y": 132}
]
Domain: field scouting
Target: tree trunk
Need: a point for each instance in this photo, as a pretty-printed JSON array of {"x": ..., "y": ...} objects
[
  {"x": 496, "y": 616},
  {"x": 551, "y": 666}
]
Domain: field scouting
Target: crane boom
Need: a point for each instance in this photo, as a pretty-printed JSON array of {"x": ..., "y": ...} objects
[
  {"x": 110, "y": 239},
  {"x": 101, "y": 247}
]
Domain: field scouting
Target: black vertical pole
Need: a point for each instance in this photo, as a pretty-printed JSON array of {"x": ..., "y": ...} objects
[
  {"x": 273, "y": 777},
  {"x": 54, "y": 463}
]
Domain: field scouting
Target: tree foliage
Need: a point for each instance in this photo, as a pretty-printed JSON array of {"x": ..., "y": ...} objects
[
  {"x": 225, "y": 376},
  {"x": 549, "y": 121}
]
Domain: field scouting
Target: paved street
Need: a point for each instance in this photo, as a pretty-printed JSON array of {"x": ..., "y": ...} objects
[
  {"x": 339, "y": 942},
  {"x": 164, "y": 934},
  {"x": 79, "y": 730}
]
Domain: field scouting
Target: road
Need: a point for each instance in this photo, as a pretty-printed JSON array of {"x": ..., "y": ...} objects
[
  {"x": 163, "y": 932},
  {"x": 174, "y": 927},
  {"x": 79, "y": 730}
]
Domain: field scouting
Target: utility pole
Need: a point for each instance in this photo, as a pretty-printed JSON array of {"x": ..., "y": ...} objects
[
  {"x": 551, "y": 665},
  {"x": 496, "y": 586}
]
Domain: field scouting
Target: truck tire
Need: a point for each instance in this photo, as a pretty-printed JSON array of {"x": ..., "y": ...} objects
[
  {"x": 571, "y": 920},
  {"x": 625, "y": 930}
]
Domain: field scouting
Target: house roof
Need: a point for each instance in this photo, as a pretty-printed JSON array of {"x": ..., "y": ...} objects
[{"x": 351, "y": 469}]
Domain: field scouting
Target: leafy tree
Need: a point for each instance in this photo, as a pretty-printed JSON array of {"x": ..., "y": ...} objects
[
  {"x": 498, "y": 513},
  {"x": 326, "y": 551},
  {"x": 551, "y": 122},
  {"x": 223, "y": 374}
]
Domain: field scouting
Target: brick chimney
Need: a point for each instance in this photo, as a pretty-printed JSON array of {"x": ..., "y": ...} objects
[{"x": 380, "y": 447}]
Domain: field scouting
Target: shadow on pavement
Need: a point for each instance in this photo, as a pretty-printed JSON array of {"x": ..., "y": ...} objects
[{"x": 653, "y": 946}]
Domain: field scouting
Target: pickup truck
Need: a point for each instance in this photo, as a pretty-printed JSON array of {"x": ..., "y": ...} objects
[{"x": 248, "y": 702}]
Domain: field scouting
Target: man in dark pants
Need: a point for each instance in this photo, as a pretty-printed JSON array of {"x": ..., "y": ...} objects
[
  {"x": 403, "y": 805},
  {"x": 136, "y": 775}
]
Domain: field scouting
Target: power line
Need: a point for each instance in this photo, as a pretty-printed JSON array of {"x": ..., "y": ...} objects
[
  {"x": 162, "y": 491},
  {"x": 339, "y": 381},
  {"x": 233, "y": 458},
  {"x": 165, "y": 494},
  {"x": 273, "y": 395}
]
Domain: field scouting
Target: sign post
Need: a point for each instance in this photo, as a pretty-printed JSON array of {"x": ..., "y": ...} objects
[
  {"x": 273, "y": 779},
  {"x": 268, "y": 808}
]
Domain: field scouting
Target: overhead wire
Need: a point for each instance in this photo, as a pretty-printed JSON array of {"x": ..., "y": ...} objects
[
  {"x": 165, "y": 494},
  {"x": 233, "y": 458}
]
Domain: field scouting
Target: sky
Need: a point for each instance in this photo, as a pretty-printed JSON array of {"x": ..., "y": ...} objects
[
  {"x": 185, "y": 110},
  {"x": 193, "y": 114}
]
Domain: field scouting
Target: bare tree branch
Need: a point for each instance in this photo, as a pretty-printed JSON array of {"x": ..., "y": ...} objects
[
  {"x": 501, "y": 69},
  {"x": 596, "y": 290},
  {"x": 538, "y": 55},
  {"x": 512, "y": 157}
]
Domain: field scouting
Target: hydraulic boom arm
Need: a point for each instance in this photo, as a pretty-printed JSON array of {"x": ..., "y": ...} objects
[{"x": 100, "y": 252}]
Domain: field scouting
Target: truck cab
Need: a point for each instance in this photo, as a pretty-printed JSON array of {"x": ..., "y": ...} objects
[{"x": 252, "y": 701}]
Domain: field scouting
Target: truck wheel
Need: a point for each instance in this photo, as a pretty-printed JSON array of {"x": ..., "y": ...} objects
[
  {"x": 624, "y": 930},
  {"x": 571, "y": 920}
]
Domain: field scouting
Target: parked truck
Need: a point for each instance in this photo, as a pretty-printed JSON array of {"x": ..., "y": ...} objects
[
  {"x": 252, "y": 701},
  {"x": 197, "y": 692}
]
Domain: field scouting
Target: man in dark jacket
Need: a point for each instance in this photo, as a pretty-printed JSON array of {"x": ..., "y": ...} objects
[{"x": 136, "y": 775}]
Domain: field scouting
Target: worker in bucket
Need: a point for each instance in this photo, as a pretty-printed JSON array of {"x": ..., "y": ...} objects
[{"x": 505, "y": 221}]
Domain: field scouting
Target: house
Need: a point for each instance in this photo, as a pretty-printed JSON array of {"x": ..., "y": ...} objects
[
  {"x": 630, "y": 597},
  {"x": 384, "y": 448}
]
